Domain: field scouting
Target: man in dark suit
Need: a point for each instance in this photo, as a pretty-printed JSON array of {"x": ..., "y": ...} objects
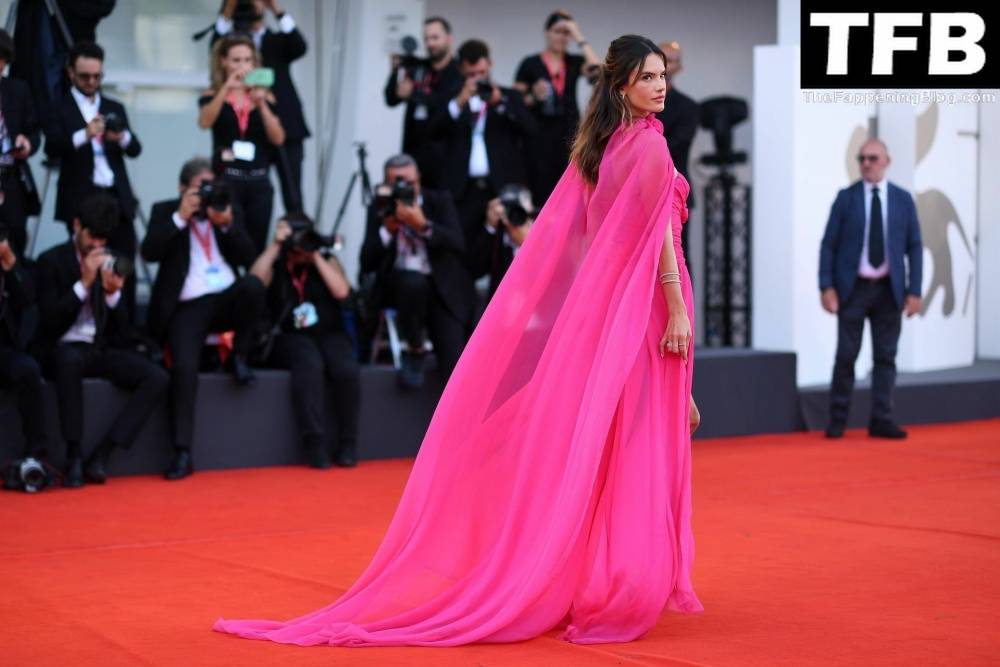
[
  {"x": 19, "y": 139},
  {"x": 680, "y": 123},
  {"x": 417, "y": 253},
  {"x": 201, "y": 246},
  {"x": 84, "y": 333},
  {"x": 278, "y": 50},
  {"x": 90, "y": 135},
  {"x": 498, "y": 240},
  {"x": 485, "y": 127},
  {"x": 19, "y": 372},
  {"x": 870, "y": 267},
  {"x": 425, "y": 87}
]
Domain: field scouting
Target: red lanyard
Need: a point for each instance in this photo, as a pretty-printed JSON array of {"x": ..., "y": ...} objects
[
  {"x": 298, "y": 282},
  {"x": 242, "y": 111},
  {"x": 557, "y": 75},
  {"x": 205, "y": 241}
]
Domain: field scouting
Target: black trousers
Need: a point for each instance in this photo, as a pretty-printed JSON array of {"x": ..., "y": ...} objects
[
  {"x": 873, "y": 301},
  {"x": 325, "y": 372},
  {"x": 12, "y": 212},
  {"x": 472, "y": 207},
  {"x": 255, "y": 198},
  {"x": 20, "y": 372},
  {"x": 237, "y": 308},
  {"x": 290, "y": 172},
  {"x": 419, "y": 306},
  {"x": 70, "y": 363}
]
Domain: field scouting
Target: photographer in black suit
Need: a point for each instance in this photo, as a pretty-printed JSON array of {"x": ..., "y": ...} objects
[
  {"x": 303, "y": 290},
  {"x": 201, "y": 246},
  {"x": 508, "y": 221},
  {"x": 278, "y": 50},
  {"x": 485, "y": 127},
  {"x": 425, "y": 86},
  {"x": 19, "y": 139},
  {"x": 90, "y": 134},
  {"x": 84, "y": 333},
  {"x": 19, "y": 372},
  {"x": 414, "y": 244}
]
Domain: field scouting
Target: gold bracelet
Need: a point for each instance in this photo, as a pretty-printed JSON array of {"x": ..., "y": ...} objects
[{"x": 673, "y": 273}]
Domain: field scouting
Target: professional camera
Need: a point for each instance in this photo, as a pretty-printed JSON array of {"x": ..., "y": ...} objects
[
  {"x": 304, "y": 236},
  {"x": 402, "y": 190},
  {"x": 410, "y": 62},
  {"x": 215, "y": 196},
  {"x": 244, "y": 16},
  {"x": 120, "y": 265},
  {"x": 516, "y": 200},
  {"x": 484, "y": 89},
  {"x": 114, "y": 123},
  {"x": 27, "y": 474}
]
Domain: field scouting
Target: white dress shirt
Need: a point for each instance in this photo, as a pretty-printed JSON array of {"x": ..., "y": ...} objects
[
  {"x": 411, "y": 246},
  {"x": 84, "y": 328},
  {"x": 224, "y": 26},
  {"x": 90, "y": 107},
  {"x": 479, "y": 163},
  {"x": 865, "y": 269},
  {"x": 199, "y": 280}
]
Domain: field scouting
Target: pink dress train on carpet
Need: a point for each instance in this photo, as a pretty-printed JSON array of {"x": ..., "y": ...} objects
[{"x": 552, "y": 489}]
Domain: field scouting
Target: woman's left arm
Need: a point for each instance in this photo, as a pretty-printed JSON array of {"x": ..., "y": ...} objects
[{"x": 590, "y": 58}]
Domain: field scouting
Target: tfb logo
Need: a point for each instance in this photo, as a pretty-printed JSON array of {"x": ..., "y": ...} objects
[{"x": 926, "y": 45}]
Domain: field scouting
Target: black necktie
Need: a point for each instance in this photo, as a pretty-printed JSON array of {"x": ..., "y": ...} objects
[{"x": 876, "y": 241}]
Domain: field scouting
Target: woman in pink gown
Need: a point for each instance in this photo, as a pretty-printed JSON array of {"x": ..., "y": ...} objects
[{"x": 552, "y": 489}]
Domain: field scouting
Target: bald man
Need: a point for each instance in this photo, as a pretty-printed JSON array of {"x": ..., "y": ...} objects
[
  {"x": 680, "y": 122},
  {"x": 870, "y": 266}
]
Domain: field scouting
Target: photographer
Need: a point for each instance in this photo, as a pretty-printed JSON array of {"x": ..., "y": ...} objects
[
  {"x": 414, "y": 244},
  {"x": 19, "y": 139},
  {"x": 485, "y": 127},
  {"x": 548, "y": 82},
  {"x": 508, "y": 221},
  {"x": 245, "y": 126},
  {"x": 278, "y": 50},
  {"x": 90, "y": 134},
  {"x": 19, "y": 372},
  {"x": 83, "y": 333},
  {"x": 425, "y": 85},
  {"x": 201, "y": 245},
  {"x": 303, "y": 290}
]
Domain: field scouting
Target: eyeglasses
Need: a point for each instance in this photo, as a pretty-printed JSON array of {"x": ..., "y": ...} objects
[
  {"x": 867, "y": 158},
  {"x": 87, "y": 76}
]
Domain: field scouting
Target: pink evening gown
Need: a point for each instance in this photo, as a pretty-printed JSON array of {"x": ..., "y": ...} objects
[{"x": 552, "y": 489}]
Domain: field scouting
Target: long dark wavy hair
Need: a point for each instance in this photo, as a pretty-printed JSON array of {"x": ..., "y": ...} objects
[{"x": 608, "y": 108}]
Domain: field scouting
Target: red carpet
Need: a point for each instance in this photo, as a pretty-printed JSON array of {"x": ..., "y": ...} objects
[{"x": 810, "y": 552}]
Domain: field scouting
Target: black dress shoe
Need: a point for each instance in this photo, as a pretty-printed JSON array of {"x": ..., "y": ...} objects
[
  {"x": 346, "y": 457},
  {"x": 886, "y": 429},
  {"x": 73, "y": 478},
  {"x": 181, "y": 466},
  {"x": 318, "y": 456},
  {"x": 242, "y": 372},
  {"x": 94, "y": 467},
  {"x": 835, "y": 430}
]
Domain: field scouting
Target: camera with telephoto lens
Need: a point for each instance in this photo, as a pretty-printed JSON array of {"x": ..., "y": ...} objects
[
  {"x": 484, "y": 89},
  {"x": 114, "y": 123},
  {"x": 120, "y": 265},
  {"x": 402, "y": 191},
  {"x": 516, "y": 200},
  {"x": 304, "y": 236},
  {"x": 28, "y": 474},
  {"x": 215, "y": 196},
  {"x": 413, "y": 64},
  {"x": 244, "y": 16}
]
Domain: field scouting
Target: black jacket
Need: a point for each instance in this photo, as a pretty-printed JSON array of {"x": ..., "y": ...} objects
[
  {"x": 58, "y": 269},
  {"x": 489, "y": 254},
  {"x": 171, "y": 247},
  {"x": 17, "y": 293},
  {"x": 19, "y": 117},
  {"x": 680, "y": 123},
  {"x": 508, "y": 126},
  {"x": 445, "y": 249},
  {"x": 76, "y": 170},
  {"x": 278, "y": 50}
]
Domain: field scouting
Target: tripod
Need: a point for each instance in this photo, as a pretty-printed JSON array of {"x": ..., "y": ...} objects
[{"x": 366, "y": 186}]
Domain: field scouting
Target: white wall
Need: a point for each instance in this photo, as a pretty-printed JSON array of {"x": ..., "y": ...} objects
[{"x": 988, "y": 267}]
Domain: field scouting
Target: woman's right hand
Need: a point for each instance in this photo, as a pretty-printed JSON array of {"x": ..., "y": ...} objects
[
  {"x": 677, "y": 338},
  {"x": 540, "y": 90},
  {"x": 235, "y": 80}
]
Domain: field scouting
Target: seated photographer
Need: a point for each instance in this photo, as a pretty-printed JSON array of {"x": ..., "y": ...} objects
[
  {"x": 508, "y": 220},
  {"x": 243, "y": 118},
  {"x": 485, "y": 127},
  {"x": 309, "y": 338},
  {"x": 414, "y": 243},
  {"x": 201, "y": 245},
  {"x": 278, "y": 50},
  {"x": 84, "y": 333},
  {"x": 19, "y": 372},
  {"x": 19, "y": 139}
]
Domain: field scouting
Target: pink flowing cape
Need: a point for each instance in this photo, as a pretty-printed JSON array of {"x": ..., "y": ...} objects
[{"x": 552, "y": 488}]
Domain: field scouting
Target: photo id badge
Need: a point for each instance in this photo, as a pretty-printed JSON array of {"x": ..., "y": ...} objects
[
  {"x": 244, "y": 150},
  {"x": 305, "y": 316},
  {"x": 420, "y": 112},
  {"x": 213, "y": 277}
]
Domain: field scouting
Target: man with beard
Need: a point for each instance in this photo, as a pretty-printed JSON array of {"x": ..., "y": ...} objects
[{"x": 425, "y": 86}]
